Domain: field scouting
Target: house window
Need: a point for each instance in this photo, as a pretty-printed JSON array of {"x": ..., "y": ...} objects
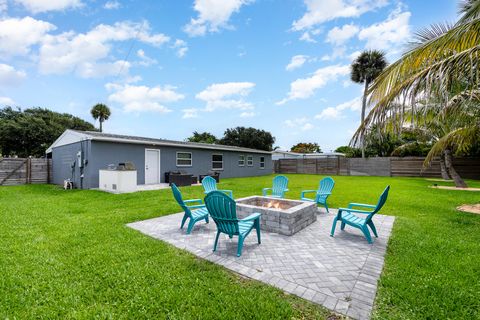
[
  {"x": 184, "y": 159},
  {"x": 262, "y": 162},
  {"x": 241, "y": 161},
  {"x": 217, "y": 161},
  {"x": 250, "y": 161}
]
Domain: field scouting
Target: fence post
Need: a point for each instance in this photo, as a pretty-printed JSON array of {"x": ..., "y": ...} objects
[
  {"x": 48, "y": 170},
  {"x": 28, "y": 168}
]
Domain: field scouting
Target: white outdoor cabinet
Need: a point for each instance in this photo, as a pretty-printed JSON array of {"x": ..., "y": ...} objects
[{"x": 118, "y": 181}]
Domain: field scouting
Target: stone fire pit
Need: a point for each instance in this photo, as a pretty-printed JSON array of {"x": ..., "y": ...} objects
[{"x": 282, "y": 216}]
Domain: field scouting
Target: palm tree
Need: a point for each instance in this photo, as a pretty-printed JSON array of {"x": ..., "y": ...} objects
[
  {"x": 100, "y": 112},
  {"x": 364, "y": 69},
  {"x": 439, "y": 58},
  {"x": 453, "y": 132},
  {"x": 442, "y": 57}
]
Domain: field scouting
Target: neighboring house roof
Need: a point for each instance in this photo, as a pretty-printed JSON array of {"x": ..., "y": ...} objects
[
  {"x": 280, "y": 154},
  {"x": 72, "y": 136}
]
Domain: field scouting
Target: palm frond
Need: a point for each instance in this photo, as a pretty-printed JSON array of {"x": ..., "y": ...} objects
[
  {"x": 427, "y": 34},
  {"x": 470, "y": 10},
  {"x": 457, "y": 40},
  {"x": 461, "y": 139}
]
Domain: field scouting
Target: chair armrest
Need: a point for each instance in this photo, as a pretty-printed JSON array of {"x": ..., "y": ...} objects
[
  {"x": 354, "y": 210},
  {"x": 351, "y": 205},
  {"x": 193, "y": 200},
  {"x": 324, "y": 193},
  {"x": 264, "y": 191},
  {"x": 302, "y": 195},
  {"x": 230, "y": 192},
  {"x": 251, "y": 217},
  {"x": 198, "y": 206}
]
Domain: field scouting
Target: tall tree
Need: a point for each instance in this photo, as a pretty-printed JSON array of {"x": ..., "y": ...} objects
[
  {"x": 31, "y": 131},
  {"x": 204, "y": 137},
  {"x": 100, "y": 112},
  {"x": 453, "y": 133},
  {"x": 364, "y": 69},
  {"x": 248, "y": 138},
  {"x": 440, "y": 57},
  {"x": 442, "y": 66},
  {"x": 306, "y": 147}
]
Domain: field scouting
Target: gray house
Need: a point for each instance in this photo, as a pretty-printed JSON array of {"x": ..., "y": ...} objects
[{"x": 79, "y": 155}]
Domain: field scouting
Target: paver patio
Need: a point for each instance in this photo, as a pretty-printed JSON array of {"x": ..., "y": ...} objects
[{"x": 339, "y": 273}]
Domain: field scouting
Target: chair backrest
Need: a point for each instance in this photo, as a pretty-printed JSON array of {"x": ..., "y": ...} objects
[
  {"x": 380, "y": 203},
  {"x": 209, "y": 184},
  {"x": 280, "y": 184},
  {"x": 223, "y": 211},
  {"x": 326, "y": 185},
  {"x": 178, "y": 196}
]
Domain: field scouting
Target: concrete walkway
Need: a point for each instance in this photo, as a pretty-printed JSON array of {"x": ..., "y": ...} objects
[{"x": 339, "y": 273}]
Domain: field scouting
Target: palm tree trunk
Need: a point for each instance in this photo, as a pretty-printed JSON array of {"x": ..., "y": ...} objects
[
  {"x": 364, "y": 107},
  {"x": 101, "y": 127},
  {"x": 459, "y": 183},
  {"x": 443, "y": 168}
]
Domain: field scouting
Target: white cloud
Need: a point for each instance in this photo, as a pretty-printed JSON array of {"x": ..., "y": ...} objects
[
  {"x": 296, "y": 62},
  {"x": 326, "y": 58},
  {"x": 212, "y": 15},
  {"x": 336, "y": 112},
  {"x": 112, "y": 5},
  {"x": 307, "y": 35},
  {"x": 391, "y": 33},
  {"x": 352, "y": 56},
  {"x": 190, "y": 113},
  {"x": 3, "y": 6},
  {"x": 98, "y": 70},
  {"x": 247, "y": 114},
  {"x": 220, "y": 91},
  {"x": 142, "y": 98},
  {"x": 17, "y": 36},
  {"x": 320, "y": 11},
  {"x": 228, "y": 95},
  {"x": 9, "y": 76},
  {"x": 306, "y": 87},
  {"x": 299, "y": 123},
  {"x": 144, "y": 59},
  {"x": 338, "y": 36},
  {"x": 337, "y": 52},
  {"x": 181, "y": 47},
  {"x": 84, "y": 52},
  {"x": 6, "y": 101},
  {"x": 38, "y": 6}
]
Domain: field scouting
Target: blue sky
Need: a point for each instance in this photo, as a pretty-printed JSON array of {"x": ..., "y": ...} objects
[{"x": 167, "y": 68}]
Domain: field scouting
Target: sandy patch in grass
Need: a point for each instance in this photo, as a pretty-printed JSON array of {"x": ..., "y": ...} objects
[
  {"x": 438, "y": 180},
  {"x": 472, "y": 208},
  {"x": 455, "y": 188}
]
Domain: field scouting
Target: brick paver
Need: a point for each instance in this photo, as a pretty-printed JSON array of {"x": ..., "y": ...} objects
[{"x": 339, "y": 273}]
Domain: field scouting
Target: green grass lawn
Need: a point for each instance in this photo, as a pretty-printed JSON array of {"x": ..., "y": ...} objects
[{"x": 68, "y": 254}]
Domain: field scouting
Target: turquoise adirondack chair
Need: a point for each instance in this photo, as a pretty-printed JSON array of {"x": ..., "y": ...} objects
[
  {"x": 210, "y": 184},
  {"x": 321, "y": 194},
  {"x": 280, "y": 185},
  {"x": 347, "y": 216},
  {"x": 223, "y": 211},
  {"x": 200, "y": 212}
]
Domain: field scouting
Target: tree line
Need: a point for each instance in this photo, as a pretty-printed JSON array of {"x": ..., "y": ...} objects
[
  {"x": 239, "y": 137},
  {"x": 29, "y": 132}
]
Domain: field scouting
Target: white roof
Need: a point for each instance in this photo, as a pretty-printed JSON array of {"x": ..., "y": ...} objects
[
  {"x": 280, "y": 154},
  {"x": 72, "y": 136}
]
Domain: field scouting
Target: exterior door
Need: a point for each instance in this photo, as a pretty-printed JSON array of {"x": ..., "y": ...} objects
[{"x": 152, "y": 166}]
